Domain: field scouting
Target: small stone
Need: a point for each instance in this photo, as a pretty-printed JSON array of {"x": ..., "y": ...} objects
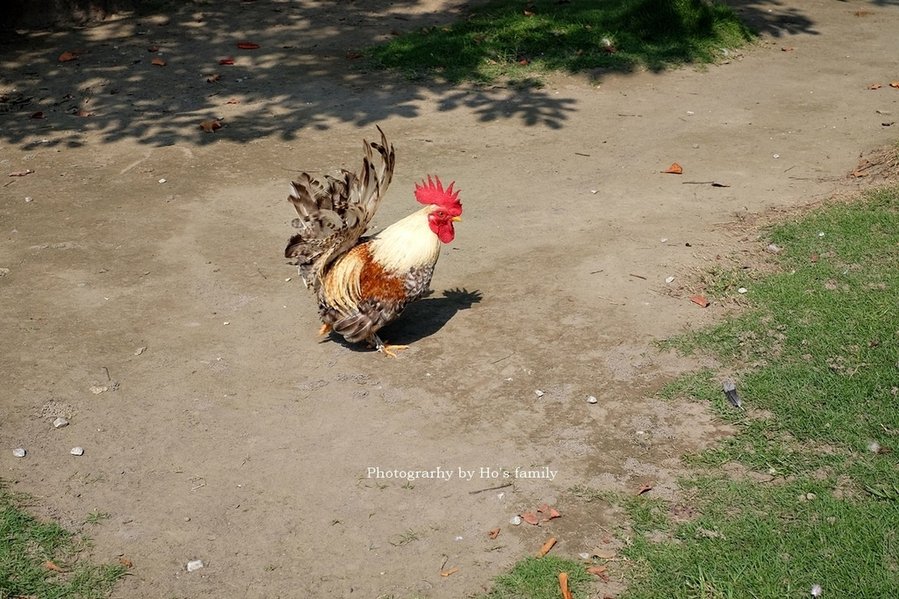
[
  {"x": 539, "y": 393},
  {"x": 742, "y": 290},
  {"x": 817, "y": 591},
  {"x": 19, "y": 452},
  {"x": 194, "y": 565},
  {"x": 139, "y": 351},
  {"x": 459, "y": 538},
  {"x": 810, "y": 496},
  {"x": 162, "y": 180},
  {"x": 227, "y": 322},
  {"x": 77, "y": 451},
  {"x": 60, "y": 422},
  {"x": 774, "y": 248},
  {"x": 776, "y": 156},
  {"x": 874, "y": 447},
  {"x": 592, "y": 399},
  {"x": 187, "y": 518},
  {"x": 669, "y": 280},
  {"x": 820, "y": 233},
  {"x": 515, "y": 521},
  {"x": 287, "y": 280},
  {"x": 664, "y": 240},
  {"x": 98, "y": 389},
  {"x": 584, "y": 555},
  {"x": 28, "y": 199}
]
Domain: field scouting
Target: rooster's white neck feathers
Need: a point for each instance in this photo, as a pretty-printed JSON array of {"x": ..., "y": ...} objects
[{"x": 407, "y": 243}]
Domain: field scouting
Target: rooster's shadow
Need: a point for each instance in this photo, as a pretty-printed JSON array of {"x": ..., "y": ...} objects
[{"x": 423, "y": 318}]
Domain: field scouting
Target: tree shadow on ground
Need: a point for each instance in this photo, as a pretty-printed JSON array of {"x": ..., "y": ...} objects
[{"x": 307, "y": 73}]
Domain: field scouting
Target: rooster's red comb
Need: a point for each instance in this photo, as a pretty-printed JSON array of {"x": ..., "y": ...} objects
[{"x": 432, "y": 192}]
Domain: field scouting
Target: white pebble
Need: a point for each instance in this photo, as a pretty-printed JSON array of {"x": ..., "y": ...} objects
[
  {"x": 874, "y": 447},
  {"x": 459, "y": 538},
  {"x": 162, "y": 180},
  {"x": 817, "y": 591},
  {"x": 19, "y": 452},
  {"x": 821, "y": 234},
  {"x": 140, "y": 350},
  {"x": 777, "y": 156},
  {"x": 774, "y": 248},
  {"x": 500, "y": 495},
  {"x": 810, "y": 496},
  {"x": 77, "y": 451},
  {"x": 539, "y": 393},
  {"x": 60, "y": 422},
  {"x": 664, "y": 240},
  {"x": 28, "y": 199},
  {"x": 227, "y": 322},
  {"x": 515, "y": 521},
  {"x": 584, "y": 555},
  {"x": 194, "y": 565},
  {"x": 591, "y": 399},
  {"x": 742, "y": 290},
  {"x": 669, "y": 280}
]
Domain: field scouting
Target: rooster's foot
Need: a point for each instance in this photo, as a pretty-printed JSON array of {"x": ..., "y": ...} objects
[{"x": 387, "y": 350}]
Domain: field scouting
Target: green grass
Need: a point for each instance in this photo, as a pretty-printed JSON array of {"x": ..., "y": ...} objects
[
  {"x": 523, "y": 40},
  {"x": 26, "y": 544},
  {"x": 538, "y": 578},
  {"x": 816, "y": 359}
]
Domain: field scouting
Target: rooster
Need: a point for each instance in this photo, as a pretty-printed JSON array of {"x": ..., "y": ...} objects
[{"x": 364, "y": 283}]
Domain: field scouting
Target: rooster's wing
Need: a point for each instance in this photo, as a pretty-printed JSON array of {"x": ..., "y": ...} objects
[{"x": 335, "y": 212}]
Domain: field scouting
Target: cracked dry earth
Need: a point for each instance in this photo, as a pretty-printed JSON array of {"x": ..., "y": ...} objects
[{"x": 235, "y": 436}]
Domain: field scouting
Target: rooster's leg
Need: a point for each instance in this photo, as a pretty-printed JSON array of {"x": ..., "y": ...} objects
[
  {"x": 326, "y": 328},
  {"x": 387, "y": 350}
]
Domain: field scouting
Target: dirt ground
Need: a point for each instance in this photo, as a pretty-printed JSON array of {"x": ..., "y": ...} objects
[{"x": 144, "y": 255}]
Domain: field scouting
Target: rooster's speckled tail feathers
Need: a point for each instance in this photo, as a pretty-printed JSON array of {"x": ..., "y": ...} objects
[{"x": 334, "y": 213}]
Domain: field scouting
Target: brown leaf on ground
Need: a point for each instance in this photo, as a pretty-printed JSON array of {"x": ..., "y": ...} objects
[
  {"x": 158, "y": 62},
  {"x": 493, "y": 533},
  {"x": 700, "y": 301},
  {"x": 247, "y": 45},
  {"x": 563, "y": 585},
  {"x": 211, "y": 125},
  {"x": 67, "y": 56},
  {"x": 547, "y": 512},
  {"x": 228, "y": 60},
  {"x": 645, "y": 488},
  {"x": 27, "y": 171},
  {"x": 449, "y": 572},
  {"x": 875, "y": 86},
  {"x": 674, "y": 169},
  {"x": 894, "y": 84},
  {"x": 126, "y": 562},
  {"x": 530, "y": 518},
  {"x": 787, "y": 49},
  {"x": 544, "y": 549},
  {"x": 52, "y": 566},
  {"x": 599, "y": 571}
]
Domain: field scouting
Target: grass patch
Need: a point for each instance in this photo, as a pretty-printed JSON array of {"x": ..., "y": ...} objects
[
  {"x": 26, "y": 545},
  {"x": 816, "y": 358},
  {"x": 522, "y": 40},
  {"x": 534, "y": 578}
]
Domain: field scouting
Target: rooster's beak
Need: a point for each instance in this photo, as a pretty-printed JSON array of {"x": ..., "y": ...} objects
[{"x": 457, "y": 219}]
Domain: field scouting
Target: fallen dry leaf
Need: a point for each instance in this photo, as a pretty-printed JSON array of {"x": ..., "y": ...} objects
[
  {"x": 524, "y": 61},
  {"x": 894, "y": 84},
  {"x": 875, "y": 86},
  {"x": 599, "y": 571},
  {"x": 213, "y": 78},
  {"x": 158, "y": 62},
  {"x": 449, "y": 572},
  {"x": 493, "y": 533},
  {"x": 228, "y": 60},
  {"x": 52, "y": 566},
  {"x": 544, "y": 549},
  {"x": 787, "y": 49},
  {"x": 563, "y": 585},
  {"x": 27, "y": 171},
  {"x": 126, "y": 562},
  {"x": 67, "y": 56},
  {"x": 700, "y": 301},
  {"x": 247, "y": 46},
  {"x": 211, "y": 125},
  {"x": 530, "y": 518},
  {"x": 645, "y": 488},
  {"x": 674, "y": 169},
  {"x": 37, "y": 115}
]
